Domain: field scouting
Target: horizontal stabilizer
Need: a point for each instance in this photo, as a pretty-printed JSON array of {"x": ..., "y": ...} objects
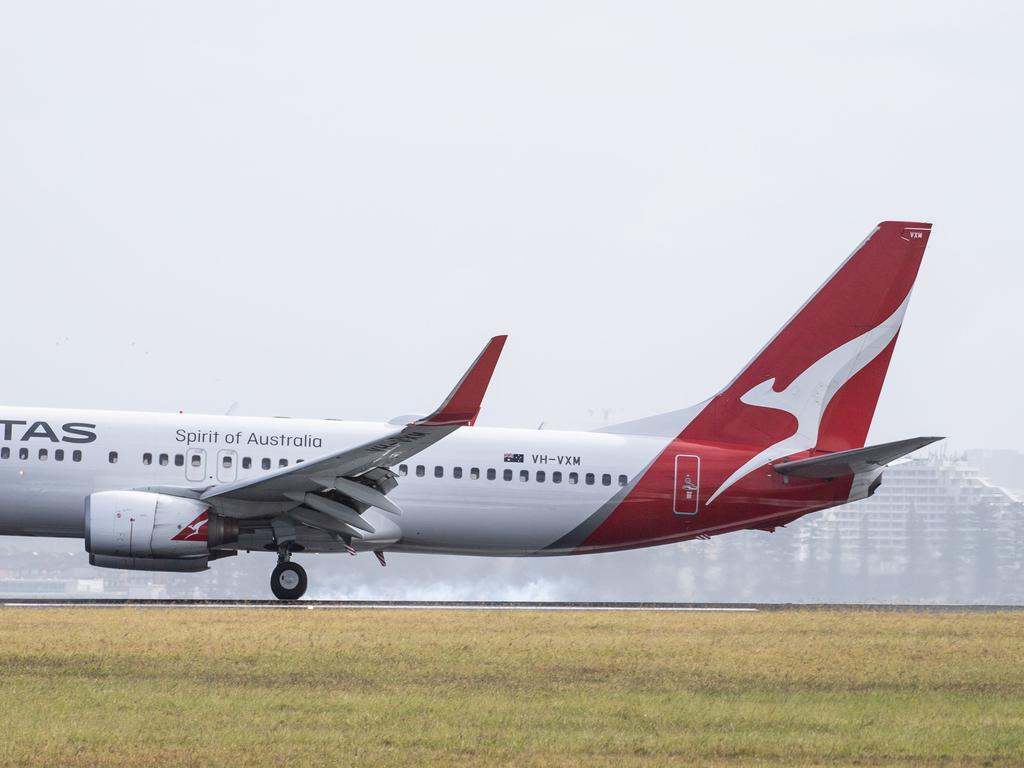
[{"x": 843, "y": 463}]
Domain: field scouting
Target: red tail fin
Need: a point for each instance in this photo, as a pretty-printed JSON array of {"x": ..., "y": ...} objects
[
  {"x": 825, "y": 368},
  {"x": 814, "y": 385}
]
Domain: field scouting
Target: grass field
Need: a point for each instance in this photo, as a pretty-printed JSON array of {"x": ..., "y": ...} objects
[{"x": 167, "y": 687}]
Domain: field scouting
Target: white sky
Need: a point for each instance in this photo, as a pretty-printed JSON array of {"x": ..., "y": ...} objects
[{"x": 325, "y": 209}]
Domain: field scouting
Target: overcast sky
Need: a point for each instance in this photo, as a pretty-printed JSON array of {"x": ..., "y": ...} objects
[{"x": 325, "y": 209}]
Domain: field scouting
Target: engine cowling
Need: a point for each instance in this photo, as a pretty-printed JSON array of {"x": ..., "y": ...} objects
[
  {"x": 177, "y": 564},
  {"x": 153, "y": 531}
]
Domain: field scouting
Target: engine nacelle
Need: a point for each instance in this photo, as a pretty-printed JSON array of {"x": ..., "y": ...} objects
[{"x": 127, "y": 529}]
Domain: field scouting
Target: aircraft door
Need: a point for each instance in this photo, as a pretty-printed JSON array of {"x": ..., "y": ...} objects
[
  {"x": 227, "y": 469},
  {"x": 686, "y": 495},
  {"x": 195, "y": 465}
]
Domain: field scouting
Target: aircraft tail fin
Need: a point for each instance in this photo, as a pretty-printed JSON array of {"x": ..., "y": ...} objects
[{"x": 817, "y": 381}]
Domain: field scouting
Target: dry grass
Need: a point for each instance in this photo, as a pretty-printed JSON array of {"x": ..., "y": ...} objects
[{"x": 131, "y": 687}]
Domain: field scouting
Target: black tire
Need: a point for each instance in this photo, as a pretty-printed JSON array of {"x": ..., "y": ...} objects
[{"x": 288, "y": 581}]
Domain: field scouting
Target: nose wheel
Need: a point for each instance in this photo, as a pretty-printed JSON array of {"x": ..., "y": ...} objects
[{"x": 288, "y": 581}]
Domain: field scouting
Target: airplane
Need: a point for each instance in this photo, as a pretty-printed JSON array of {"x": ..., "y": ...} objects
[{"x": 785, "y": 438}]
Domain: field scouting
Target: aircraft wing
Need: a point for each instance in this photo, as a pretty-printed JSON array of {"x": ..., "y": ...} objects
[
  {"x": 335, "y": 472},
  {"x": 843, "y": 463}
]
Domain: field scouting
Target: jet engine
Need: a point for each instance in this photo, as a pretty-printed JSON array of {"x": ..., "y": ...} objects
[{"x": 146, "y": 531}]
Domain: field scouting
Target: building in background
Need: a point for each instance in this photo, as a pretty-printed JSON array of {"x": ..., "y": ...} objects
[
  {"x": 1004, "y": 468},
  {"x": 937, "y": 530}
]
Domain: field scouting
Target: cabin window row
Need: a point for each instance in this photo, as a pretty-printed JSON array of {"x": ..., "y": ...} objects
[
  {"x": 539, "y": 476},
  {"x": 196, "y": 460},
  {"x": 44, "y": 454}
]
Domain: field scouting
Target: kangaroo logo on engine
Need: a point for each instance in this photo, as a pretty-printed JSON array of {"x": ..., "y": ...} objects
[{"x": 194, "y": 531}]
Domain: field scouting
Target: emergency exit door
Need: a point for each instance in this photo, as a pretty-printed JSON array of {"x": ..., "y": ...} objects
[
  {"x": 195, "y": 465},
  {"x": 686, "y": 498},
  {"x": 227, "y": 466}
]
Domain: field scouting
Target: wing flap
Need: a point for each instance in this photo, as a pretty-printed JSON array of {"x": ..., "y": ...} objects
[
  {"x": 364, "y": 494},
  {"x": 339, "y": 512},
  {"x": 323, "y": 522}
]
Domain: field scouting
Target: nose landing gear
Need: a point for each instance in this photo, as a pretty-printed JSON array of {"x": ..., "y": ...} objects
[{"x": 288, "y": 581}]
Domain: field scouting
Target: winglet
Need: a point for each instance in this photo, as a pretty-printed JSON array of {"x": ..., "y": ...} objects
[{"x": 462, "y": 406}]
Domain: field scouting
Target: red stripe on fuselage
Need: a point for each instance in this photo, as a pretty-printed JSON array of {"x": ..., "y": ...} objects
[{"x": 646, "y": 515}]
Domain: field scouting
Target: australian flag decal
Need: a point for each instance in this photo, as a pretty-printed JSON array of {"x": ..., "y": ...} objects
[{"x": 513, "y": 458}]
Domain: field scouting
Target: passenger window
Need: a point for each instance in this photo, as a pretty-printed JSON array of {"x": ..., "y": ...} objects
[
  {"x": 457, "y": 473},
  {"x": 403, "y": 469},
  {"x": 58, "y": 455},
  {"x": 420, "y": 470},
  {"x": 590, "y": 478},
  {"x": 164, "y": 458},
  {"x": 147, "y": 459},
  {"x": 197, "y": 460},
  {"x": 76, "y": 456},
  {"x": 179, "y": 460},
  {"x": 265, "y": 463},
  {"x": 246, "y": 462},
  {"x": 43, "y": 454},
  {"x": 573, "y": 478},
  {"x": 623, "y": 480},
  {"x": 282, "y": 463},
  {"x": 524, "y": 476},
  {"x": 226, "y": 462},
  {"x": 112, "y": 457},
  {"x": 474, "y": 473},
  {"x": 606, "y": 479},
  {"x": 491, "y": 474},
  {"x": 23, "y": 453},
  {"x": 556, "y": 477},
  {"x": 5, "y": 452},
  {"x": 438, "y": 471},
  {"x": 507, "y": 475},
  {"x": 541, "y": 476}
]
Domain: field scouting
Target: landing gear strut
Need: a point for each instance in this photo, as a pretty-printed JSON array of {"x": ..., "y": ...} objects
[{"x": 288, "y": 581}]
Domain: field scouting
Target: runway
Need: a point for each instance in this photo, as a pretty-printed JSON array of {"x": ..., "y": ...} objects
[{"x": 469, "y": 605}]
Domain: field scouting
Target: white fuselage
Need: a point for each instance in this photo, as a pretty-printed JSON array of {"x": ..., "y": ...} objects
[{"x": 459, "y": 502}]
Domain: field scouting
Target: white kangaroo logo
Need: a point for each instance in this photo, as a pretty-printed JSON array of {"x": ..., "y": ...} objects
[
  {"x": 807, "y": 397},
  {"x": 195, "y": 526}
]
